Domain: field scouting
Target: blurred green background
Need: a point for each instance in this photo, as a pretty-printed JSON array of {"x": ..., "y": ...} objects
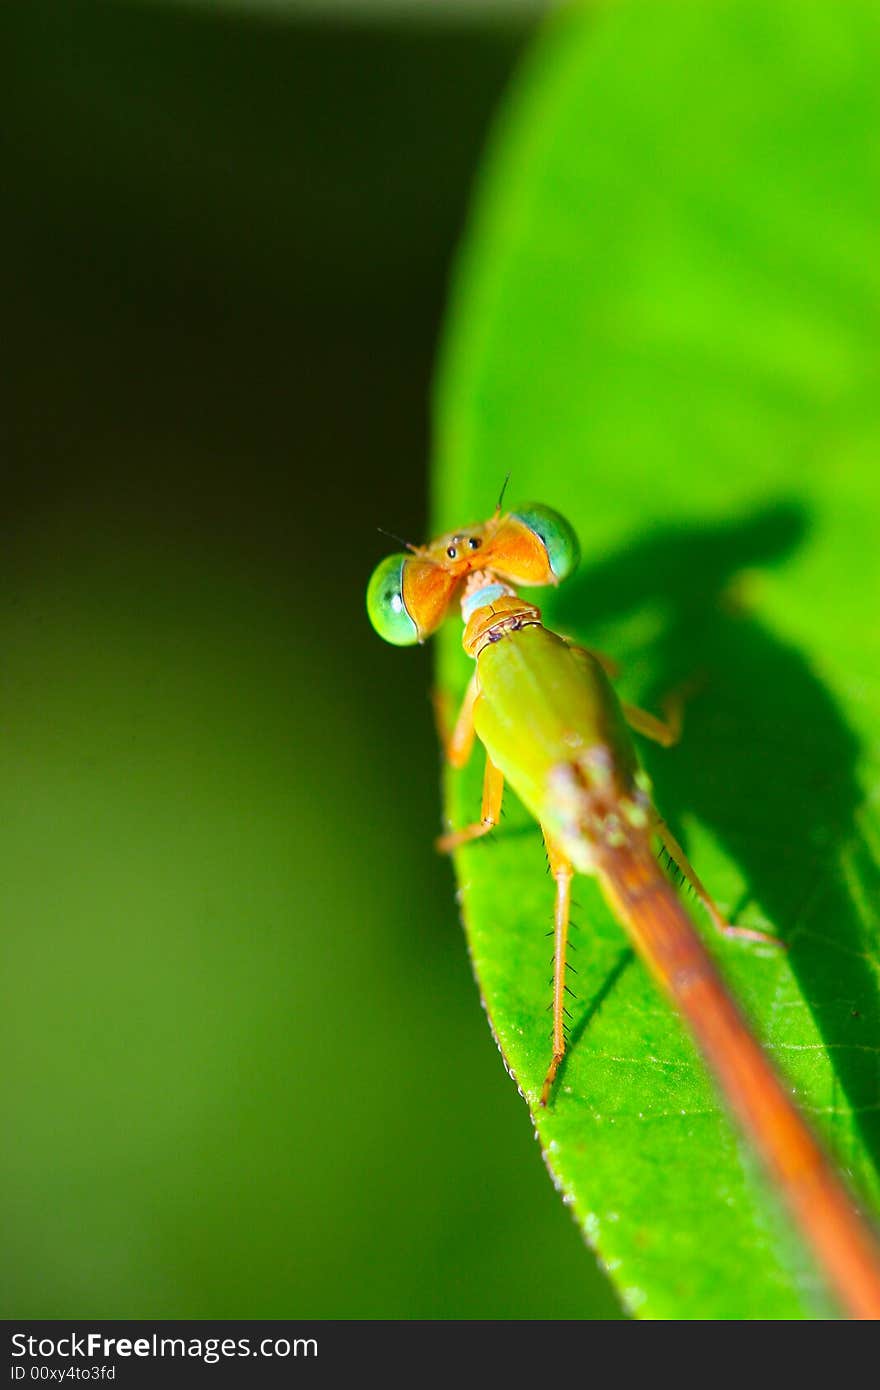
[{"x": 246, "y": 1070}]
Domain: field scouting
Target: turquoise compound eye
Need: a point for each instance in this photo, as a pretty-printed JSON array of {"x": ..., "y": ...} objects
[
  {"x": 560, "y": 541},
  {"x": 385, "y": 606}
]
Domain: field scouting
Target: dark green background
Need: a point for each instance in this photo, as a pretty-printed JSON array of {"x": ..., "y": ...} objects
[{"x": 246, "y": 1072}]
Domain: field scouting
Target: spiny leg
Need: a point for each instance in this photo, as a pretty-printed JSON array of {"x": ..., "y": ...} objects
[
  {"x": 490, "y": 814},
  {"x": 562, "y": 872},
  {"x": 719, "y": 921}
]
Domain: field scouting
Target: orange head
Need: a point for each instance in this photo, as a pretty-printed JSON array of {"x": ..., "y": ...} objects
[{"x": 409, "y": 595}]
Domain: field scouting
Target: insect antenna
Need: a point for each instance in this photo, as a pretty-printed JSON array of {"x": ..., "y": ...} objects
[
  {"x": 501, "y": 494},
  {"x": 400, "y": 541}
]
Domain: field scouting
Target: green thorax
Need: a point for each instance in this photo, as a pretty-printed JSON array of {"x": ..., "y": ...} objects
[{"x": 544, "y": 705}]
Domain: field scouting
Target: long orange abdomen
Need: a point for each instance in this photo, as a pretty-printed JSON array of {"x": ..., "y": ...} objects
[{"x": 668, "y": 943}]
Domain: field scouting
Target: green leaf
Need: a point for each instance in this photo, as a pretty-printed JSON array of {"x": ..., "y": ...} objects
[{"x": 665, "y": 323}]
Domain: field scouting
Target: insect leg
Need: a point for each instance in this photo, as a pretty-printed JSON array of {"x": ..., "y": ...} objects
[
  {"x": 719, "y": 921},
  {"x": 562, "y": 872},
  {"x": 457, "y": 743},
  {"x": 665, "y": 731},
  {"x": 493, "y": 791}
]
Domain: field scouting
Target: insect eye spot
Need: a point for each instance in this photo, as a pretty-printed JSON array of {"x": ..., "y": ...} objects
[
  {"x": 452, "y": 552},
  {"x": 474, "y": 542}
]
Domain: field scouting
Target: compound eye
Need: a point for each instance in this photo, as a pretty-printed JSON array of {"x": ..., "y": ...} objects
[
  {"x": 556, "y": 535},
  {"x": 385, "y": 606}
]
